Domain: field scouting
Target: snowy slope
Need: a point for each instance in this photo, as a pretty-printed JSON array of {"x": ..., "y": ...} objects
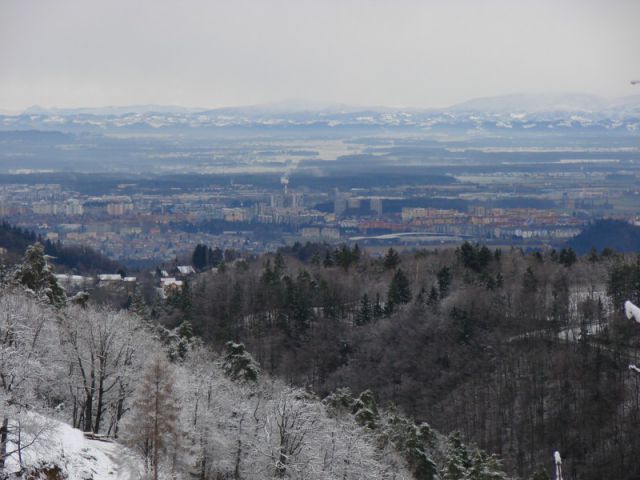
[{"x": 79, "y": 457}]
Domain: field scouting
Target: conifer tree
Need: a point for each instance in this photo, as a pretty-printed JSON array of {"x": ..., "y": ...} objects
[
  {"x": 391, "y": 259},
  {"x": 444, "y": 281},
  {"x": 279, "y": 265},
  {"x": 328, "y": 260},
  {"x": 365, "y": 313},
  {"x": 432, "y": 300},
  {"x": 399, "y": 289},
  {"x": 457, "y": 461},
  {"x": 239, "y": 365},
  {"x": 199, "y": 256},
  {"x": 35, "y": 274}
]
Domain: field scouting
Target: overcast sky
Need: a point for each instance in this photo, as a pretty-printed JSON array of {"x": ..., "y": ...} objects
[{"x": 210, "y": 53}]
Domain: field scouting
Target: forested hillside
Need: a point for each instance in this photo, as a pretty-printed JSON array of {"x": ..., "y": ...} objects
[
  {"x": 614, "y": 234},
  {"x": 76, "y": 258},
  {"x": 177, "y": 408},
  {"x": 523, "y": 354}
]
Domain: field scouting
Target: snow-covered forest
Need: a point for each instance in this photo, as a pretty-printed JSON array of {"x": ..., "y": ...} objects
[
  {"x": 174, "y": 407},
  {"x": 522, "y": 353}
]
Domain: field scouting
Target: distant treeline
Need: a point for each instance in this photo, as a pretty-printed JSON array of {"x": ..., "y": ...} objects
[
  {"x": 218, "y": 226},
  {"x": 396, "y": 205},
  {"x": 614, "y": 234},
  {"x": 75, "y": 257}
]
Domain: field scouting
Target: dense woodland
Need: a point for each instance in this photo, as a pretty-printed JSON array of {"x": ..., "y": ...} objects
[
  {"x": 70, "y": 257},
  {"x": 418, "y": 357},
  {"x": 187, "y": 410},
  {"x": 521, "y": 353}
]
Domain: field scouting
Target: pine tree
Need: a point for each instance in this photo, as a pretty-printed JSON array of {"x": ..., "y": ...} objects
[
  {"x": 457, "y": 459},
  {"x": 328, "y": 260},
  {"x": 365, "y": 314},
  {"x": 356, "y": 253},
  {"x": 279, "y": 265},
  {"x": 391, "y": 259},
  {"x": 138, "y": 306},
  {"x": 154, "y": 425},
  {"x": 35, "y": 274},
  {"x": 567, "y": 257},
  {"x": 432, "y": 300},
  {"x": 485, "y": 467},
  {"x": 529, "y": 282},
  {"x": 216, "y": 256},
  {"x": 399, "y": 289},
  {"x": 199, "y": 256},
  {"x": 365, "y": 409},
  {"x": 239, "y": 365},
  {"x": 444, "y": 281}
]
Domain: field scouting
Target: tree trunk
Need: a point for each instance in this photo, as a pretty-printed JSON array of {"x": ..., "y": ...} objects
[
  {"x": 88, "y": 413},
  {"x": 4, "y": 434},
  {"x": 156, "y": 434},
  {"x": 99, "y": 407}
]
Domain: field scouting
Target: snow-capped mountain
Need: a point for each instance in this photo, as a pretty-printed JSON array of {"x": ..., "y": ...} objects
[{"x": 525, "y": 112}]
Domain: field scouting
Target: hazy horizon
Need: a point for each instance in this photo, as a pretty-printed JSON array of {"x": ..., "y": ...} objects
[{"x": 214, "y": 54}]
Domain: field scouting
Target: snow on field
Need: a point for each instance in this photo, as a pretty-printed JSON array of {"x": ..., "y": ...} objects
[{"x": 79, "y": 457}]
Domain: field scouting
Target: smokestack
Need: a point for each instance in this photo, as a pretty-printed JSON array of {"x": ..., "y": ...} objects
[{"x": 284, "y": 180}]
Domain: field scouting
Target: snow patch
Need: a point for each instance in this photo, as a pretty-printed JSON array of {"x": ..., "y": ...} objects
[{"x": 56, "y": 443}]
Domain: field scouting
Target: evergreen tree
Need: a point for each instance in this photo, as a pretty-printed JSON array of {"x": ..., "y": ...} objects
[
  {"x": 432, "y": 300},
  {"x": 344, "y": 257},
  {"x": 239, "y": 365},
  {"x": 485, "y": 467},
  {"x": 444, "y": 281},
  {"x": 474, "y": 257},
  {"x": 199, "y": 257},
  {"x": 365, "y": 409},
  {"x": 268, "y": 275},
  {"x": 365, "y": 314},
  {"x": 355, "y": 254},
  {"x": 279, "y": 265},
  {"x": 328, "y": 260},
  {"x": 139, "y": 306},
  {"x": 567, "y": 257},
  {"x": 457, "y": 460},
  {"x": 391, "y": 259},
  {"x": 529, "y": 282},
  {"x": 35, "y": 274},
  {"x": 216, "y": 256},
  {"x": 399, "y": 289}
]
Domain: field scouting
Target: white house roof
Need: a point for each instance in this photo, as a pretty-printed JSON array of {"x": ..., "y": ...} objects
[{"x": 109, "y": 277}]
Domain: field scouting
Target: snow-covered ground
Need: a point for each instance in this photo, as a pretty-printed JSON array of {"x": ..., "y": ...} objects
[{"x": 79, "y": 457}]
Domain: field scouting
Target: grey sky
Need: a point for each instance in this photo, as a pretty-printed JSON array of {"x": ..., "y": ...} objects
[{"x": 237, "y": 52}]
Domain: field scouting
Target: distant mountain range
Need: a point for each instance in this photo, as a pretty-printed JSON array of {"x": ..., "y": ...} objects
[
  {"x": 554, "y": 102},
  {"x": 516, "y": 112},
  {"x": 525, "y": 103}
]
